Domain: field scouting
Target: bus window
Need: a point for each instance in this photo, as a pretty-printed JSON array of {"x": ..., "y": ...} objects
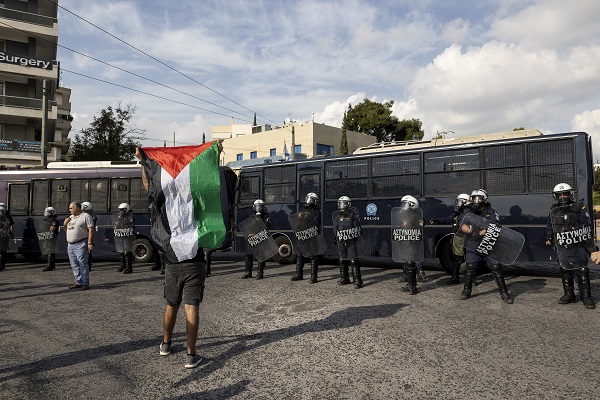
[
  {"x": 249, "y": 189},
  {"x": 60, "y": 194},
  {"x": 309, "y": 183},
  {"x": 138, "y": 197},
  {"x": 80, "y": 191},
  {"x": 99, "y": 195},
  {"x": 18, "y": 198},
  {"x": 119, "y": 193},
  {"x": 551, "y": 161},
  {"x": 504, "y": 169},
  {"x": 40, "y": 197},
  {"x": 396, "y": 175},
  {"x": 280, "y": 184},
  {"x": 347, "y": 178}
]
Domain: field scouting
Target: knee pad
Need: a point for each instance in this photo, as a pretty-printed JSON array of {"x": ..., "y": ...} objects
[
  {"x": 354, "y": 261},
  {"x": 496, "y": 268}
]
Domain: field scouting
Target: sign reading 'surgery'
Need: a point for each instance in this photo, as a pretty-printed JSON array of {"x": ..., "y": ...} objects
[{"x": 24, "y": 61}]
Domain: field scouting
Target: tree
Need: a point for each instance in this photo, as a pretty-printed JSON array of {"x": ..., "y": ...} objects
[
  {"x": 109, "y": 137},
  {"x": 344, "y": 143},
  {"x": 376, "y": 119}
]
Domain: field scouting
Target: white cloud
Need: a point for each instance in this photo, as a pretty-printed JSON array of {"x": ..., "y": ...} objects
[{"x": 589, "y": 121}]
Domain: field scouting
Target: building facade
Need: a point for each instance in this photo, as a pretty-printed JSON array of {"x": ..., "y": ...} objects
[
  {"x": 28, "y": 48},
  {"x": 293, "y": 140}
]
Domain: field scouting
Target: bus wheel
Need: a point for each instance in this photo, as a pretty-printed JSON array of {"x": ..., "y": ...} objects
[
  {"x": 142, "y": 250},
  {"x": 286, "y": 252},
  {"x": 446, "y": 257}
]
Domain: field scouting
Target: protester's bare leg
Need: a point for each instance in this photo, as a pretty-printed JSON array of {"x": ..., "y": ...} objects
[
  {"x": 191, "y": 326},
  {"x": 169, "y": 322}
]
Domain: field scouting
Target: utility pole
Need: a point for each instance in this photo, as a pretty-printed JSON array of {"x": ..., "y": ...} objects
[{"x": 44, "y": 139}]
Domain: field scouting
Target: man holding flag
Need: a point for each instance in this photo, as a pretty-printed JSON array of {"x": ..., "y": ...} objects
[{"x": 183, "y": 186}]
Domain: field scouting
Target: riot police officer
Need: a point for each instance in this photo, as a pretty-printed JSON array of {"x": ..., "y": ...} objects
[
  {"x": 568, "y": 215},
  {"x": 6, "y": 233},
  {"x": 125, "y": 233},
  {"x": 346, "y": 231},
  {"x": 88, "y": 208},
  {"x": 461, "y": 204},
  {"x": 410, "y": 206},
  {"x": 261, "y": 211},
  {"x": 480, "y": 206},
  {"x": 310, "y": 204},
  {"x": 51, "y": 222}
]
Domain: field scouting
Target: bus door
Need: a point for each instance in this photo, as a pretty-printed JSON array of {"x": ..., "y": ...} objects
[{"x": 23, "y": 229}]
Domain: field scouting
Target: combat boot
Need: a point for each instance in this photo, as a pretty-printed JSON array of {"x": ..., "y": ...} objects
[
  {"x": 499, "y": 278},
  {"x": 314, "y": 266},
  {"x": 358, "y": 283},
  {"x": 454, "y": 280},
  {"x": 403, "y": 278},
  {"x": 261, "y": 270},
  {"x": 584, "y": 289},
  {"x": 299, "y": 275},
  {"x": 123, "y": 263},
  {"x": 411, "y": 275},
  {"x": 469, "y": 278},
  {"x": 128, "y": 260},
  {"x": 248, "y": 268},
  {"x": 51, "y": 263},
  {"x": 344, "y": 278},
  {"x": 421, "y": 277},
  {"x": 568, "y": 287}
]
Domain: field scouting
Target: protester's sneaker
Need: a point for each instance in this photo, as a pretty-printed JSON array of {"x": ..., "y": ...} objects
[
  {"x": 165, "y": 349},
  {"x": 193, "y": 360}
]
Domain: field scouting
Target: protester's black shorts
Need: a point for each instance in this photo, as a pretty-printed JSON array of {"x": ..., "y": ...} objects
[{"x": 184, "y": 282}]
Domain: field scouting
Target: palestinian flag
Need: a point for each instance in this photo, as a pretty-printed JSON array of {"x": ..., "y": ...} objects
[{"x": 185, "y": 198}]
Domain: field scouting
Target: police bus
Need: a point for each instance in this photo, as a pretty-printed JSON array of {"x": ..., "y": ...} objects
[
  {"x": 105, "y": 184},
  {"x": 518, "y": 170}
]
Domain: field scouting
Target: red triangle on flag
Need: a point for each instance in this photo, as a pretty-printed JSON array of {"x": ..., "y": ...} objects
[{"x": 174, "y": 159}]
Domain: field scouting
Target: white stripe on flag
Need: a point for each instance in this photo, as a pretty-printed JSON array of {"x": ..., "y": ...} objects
[{"x": 179, "y": 205}]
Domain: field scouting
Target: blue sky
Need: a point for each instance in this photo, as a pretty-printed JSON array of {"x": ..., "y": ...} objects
[{"x": 470, "y": 67}]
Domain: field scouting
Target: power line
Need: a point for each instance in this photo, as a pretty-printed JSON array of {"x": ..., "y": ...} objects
[
  {"x": 124, "y": 70},
  {"x": 159, "y": 61}
]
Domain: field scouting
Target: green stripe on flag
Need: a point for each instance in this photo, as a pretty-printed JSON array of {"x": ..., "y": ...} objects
[{"x": 205, "y": 184}]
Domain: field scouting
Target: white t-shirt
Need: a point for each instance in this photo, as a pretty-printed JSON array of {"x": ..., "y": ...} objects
[{"x": 77, "y": 227}]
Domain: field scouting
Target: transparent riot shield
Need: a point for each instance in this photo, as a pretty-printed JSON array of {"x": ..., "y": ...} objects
[
  {"x": 491, "y": 240},
  {"x": 308, "y": 234},
  {"x": 46, "y": 230},
  {"x": 407, "y": 235},
  {"x": 4, "y": 233},
  {"x": 572, "y": 235},
  {"x": 348, "y": 233},
  {"x": 124, "y": 228},
  {"x": 259, "y": 239}
]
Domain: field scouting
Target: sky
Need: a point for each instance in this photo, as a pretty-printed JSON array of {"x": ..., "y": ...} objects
[{"x": 461, "y": 67}]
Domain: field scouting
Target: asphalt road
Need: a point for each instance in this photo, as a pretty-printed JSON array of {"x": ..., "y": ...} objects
[{"x": 277, "y": 339}]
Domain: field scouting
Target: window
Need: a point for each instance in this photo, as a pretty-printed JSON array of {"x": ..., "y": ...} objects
[
  {"x": 40, "y": 198},
  {"x": 324, "y": 150},
  {"x": 18, "y": 201},
  {"x": 239, "y": 157},
  {"x": 297, "y": 149},
  {"x": 252, "y": 155},
  {"x": 347, "y": 178},
  {"x": 60, "y": 194},
  {"x": 272, "y": 152},
  {"x": 280, "y": 184},
  {"x": 119, "y": 193},
  {"x": 249, "y": 189}
]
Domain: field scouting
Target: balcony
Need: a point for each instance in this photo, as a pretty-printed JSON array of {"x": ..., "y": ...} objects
[
  {"x": 28, "y": 22},
  {"x": 25, "y": 107}
]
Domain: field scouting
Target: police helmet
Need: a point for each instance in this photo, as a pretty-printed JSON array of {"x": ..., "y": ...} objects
[
  {"x": 409, "y": 201},
  {"x": 124, "y": 208},
  {"x": 479, "y": 196},
  {"x": 49, "y": 212},
  {"x": 259, "y": 205},
  {"x": 86, "y": 206},
  {"x": 462, "y": 200},
  {"x": 311, "y": 199},
  {"x": 344, "y": 203},
  {"x": 563, "y": 193}
]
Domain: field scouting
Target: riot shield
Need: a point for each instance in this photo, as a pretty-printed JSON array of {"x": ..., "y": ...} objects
[
  {"x": 572, "y": 235},
  {"x": 308, "y": 234},
  {"x": 259, "y": 239},
  {"x": 407, "y": 235},
  {"x": 124, "y": 228},
  {"x": 4, "y": 233},
  {"x": 491, "y": 240},
  {"x": 47, "y": 237},
  {"x": 349, "y": 233}
]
